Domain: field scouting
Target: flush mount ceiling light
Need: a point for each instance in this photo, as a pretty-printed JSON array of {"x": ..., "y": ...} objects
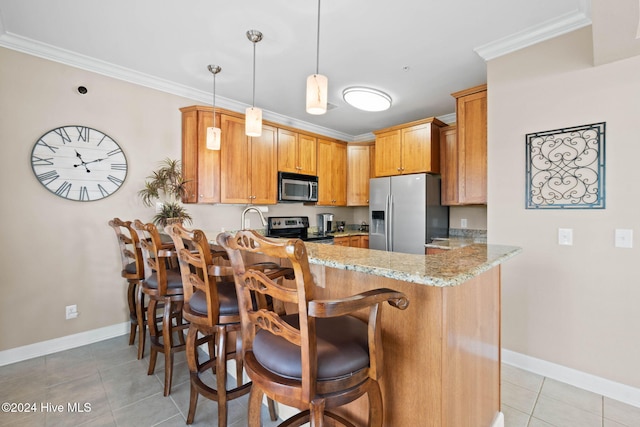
[
  {"x": 366, "y": 98},
  {"x": 253, "y": 116},
  {"x": 317, "y": 84},
  {"x": 213, "y": 133}
]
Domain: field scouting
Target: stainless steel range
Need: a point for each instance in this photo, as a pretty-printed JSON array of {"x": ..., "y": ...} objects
[{"x": 294, "y": 227}]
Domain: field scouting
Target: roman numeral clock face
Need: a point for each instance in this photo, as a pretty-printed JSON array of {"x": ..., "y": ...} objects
[{"x": 79, "y": 163}]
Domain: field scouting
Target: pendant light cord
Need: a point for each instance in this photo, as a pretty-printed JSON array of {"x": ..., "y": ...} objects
[
  {"x": 253, "y": 101},
  {"x": 318, "y": 42},
  {"x": 214, "y": 100}
]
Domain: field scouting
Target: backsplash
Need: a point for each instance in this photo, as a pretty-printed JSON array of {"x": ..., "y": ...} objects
[{"x": 479, "y": 236}]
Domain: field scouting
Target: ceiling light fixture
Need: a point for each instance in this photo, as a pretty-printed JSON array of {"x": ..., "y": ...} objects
[
  {"x": 213, "y": 133},
  {"x": 366, "y": 98},
  {"x": 253, "y": 116},
  {"x": 317, "y": 84}
]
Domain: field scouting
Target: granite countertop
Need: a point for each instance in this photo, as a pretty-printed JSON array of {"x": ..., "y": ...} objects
[
  {"x": 448, "y": 268},
  {"x": 451, "y": 243}
]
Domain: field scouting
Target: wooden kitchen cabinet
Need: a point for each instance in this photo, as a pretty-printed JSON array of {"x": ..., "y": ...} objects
[
  {"x": 358, "y": 174},
  {"x": 469, "y": 156},
  {"x": 332, "y": 173},
  {"x": 449, "y": 165},
  {"x": 361, "y": 241},
  {"x": 200, "y": 166},
  {"x": 409, "y": 148},
  {"x": 248, "y": 165},
  {"x": 341, "y": 241},
  {"x": 297, "y": 152}
]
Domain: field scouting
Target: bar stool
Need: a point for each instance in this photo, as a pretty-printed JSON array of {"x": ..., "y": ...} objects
[
  {"x": 133, "y": 271},
  {"x": 163, "y": 286},
  {"x": 211, "y": 307}
]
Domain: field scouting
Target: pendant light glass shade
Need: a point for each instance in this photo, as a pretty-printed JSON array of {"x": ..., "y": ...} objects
[
  {"x": 213, "y": 133},
  {"x": 253, "y": 121},
  {"x": 317, "y": 86},
  {"x": 213, "y": 138},
  {"x": 253, "y": 115}
]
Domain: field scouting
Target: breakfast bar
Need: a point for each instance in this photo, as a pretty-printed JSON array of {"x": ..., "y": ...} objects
[{"x": 442, "y": 354}]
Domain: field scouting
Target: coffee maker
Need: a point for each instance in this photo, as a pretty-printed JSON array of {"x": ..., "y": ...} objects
[{"x": 325, "y": 223}]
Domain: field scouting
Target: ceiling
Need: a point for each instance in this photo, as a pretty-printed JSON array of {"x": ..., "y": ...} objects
[{"x": 417, "y": 51}]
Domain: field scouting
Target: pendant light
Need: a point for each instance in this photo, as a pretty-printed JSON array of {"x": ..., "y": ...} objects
[
  {"x": 317, "y": 84},
  {"x": 253, "y": 115},
  {"x": 213, "y": 133}
]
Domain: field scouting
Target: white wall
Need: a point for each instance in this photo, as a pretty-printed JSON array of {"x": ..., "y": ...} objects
[
  {"x": 575, "y": 306},
  {"x": 57, "y": 252}
]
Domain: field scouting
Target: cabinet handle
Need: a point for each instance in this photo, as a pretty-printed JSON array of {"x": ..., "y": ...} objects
[{"x": 399, "y": 169}]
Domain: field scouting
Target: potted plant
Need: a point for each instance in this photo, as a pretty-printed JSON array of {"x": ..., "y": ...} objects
[{"x": 167, "y": 185}]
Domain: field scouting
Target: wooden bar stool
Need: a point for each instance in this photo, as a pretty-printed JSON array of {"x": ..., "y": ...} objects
[
  {"x": 211, "y": 307},
  {"x": 318, "y": 359},
  {"x": 133, "y": 271},
  {"x": 163, "y": 286}
]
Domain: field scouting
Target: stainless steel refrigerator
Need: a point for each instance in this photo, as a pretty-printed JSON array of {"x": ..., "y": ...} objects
[{"x": 405, "y": 213}]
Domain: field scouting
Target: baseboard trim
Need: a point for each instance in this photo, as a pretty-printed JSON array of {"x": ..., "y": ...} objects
[
  {"x": 43, "y": 348},
  {"x": 614, "y": 390}
]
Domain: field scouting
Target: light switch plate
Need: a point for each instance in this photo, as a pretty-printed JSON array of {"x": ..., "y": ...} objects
[
  {"x": 565, "y": 236},
  {"x": 624, "y": 238}
]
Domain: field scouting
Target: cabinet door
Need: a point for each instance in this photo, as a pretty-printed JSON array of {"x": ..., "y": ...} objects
[
  {"x": 235, "y": 173},
  {"x": 307, "y": 154},
  {"x": 354, "y": 241},
  {"x": 200, "y": 166},
  {"x": 471, "y": 114},
  {"x": 263, "y": 168},
  {"x": 325, "y": 153},
  {"x": 364, "y": 242},
  {"x": 339, "y": 171},
  {"x": 420, "y": 153},
  {"x": 449, "y": 165},
  {"x": 388, "y": 153},
  {"x": 287, "y": 151},
  {"x": 358, "y": 173}
]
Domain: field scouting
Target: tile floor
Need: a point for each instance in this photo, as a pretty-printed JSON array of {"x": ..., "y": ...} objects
[
  {"x": 108, "y": 377},
  {"x": 530, "y": 400}
]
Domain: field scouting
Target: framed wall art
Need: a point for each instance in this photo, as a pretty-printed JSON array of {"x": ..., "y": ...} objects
[{"x": 566, "y": 168}]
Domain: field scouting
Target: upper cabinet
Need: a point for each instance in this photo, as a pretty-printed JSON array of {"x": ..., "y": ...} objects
[
  {"x": 297, "y": 152},
  {"x": 332, "y": 173},
  {"x": 200, "y": 166},
  {"x": 409, "y": 148},
  {"x": 467, "y": 155},
  {"x": 248, "y": 165},
  {"x": 358, "y": 174},
  {"x": 449, "y": 165}
]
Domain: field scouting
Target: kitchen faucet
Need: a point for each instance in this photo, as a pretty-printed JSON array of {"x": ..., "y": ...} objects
[{"x": 244, "y": 214}]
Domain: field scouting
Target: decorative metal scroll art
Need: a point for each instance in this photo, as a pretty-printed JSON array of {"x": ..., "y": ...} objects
[{"x": 565, "y": 168}]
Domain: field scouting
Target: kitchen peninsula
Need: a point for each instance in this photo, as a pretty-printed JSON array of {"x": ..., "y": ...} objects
[{"x": 442, "y": 354}]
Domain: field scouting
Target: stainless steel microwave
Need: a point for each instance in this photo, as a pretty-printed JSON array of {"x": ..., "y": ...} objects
[{"x": 294, "y": 187}]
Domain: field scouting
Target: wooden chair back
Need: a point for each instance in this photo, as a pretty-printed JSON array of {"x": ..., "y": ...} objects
[
  {"x": 156, "y": 254},
  {"x": 130, "y": 251},
  {"x": 198, "y": 269}
]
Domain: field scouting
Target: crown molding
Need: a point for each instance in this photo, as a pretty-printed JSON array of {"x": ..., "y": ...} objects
[
  {"x": 73, "y": 59},
  {"x": 547, "y": 30}
]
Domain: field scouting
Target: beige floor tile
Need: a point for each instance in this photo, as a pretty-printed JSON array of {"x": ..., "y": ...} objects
[
  {"x": 128, "y": 383},
  {"x": 535, "y": 422},
  {"x": 146, "y": 412},
  {"x": 609, "y": 423},
  {"x": 522, "y": 378},
  {"x": 573, "y": 396},
  {"x": 514, "y": 418},
  {"x": 561, "y": 414},
  {"x": 621, "y": 412},
  {"x": 82, "y": 400},
  {"x": 518, "y": 398}
]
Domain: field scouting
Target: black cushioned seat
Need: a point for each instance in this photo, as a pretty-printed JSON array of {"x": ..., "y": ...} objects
[
  {"x": 342, "y": 348},
  {"x": 226, "y": 295},
  {"x": 174, "y": 280}
]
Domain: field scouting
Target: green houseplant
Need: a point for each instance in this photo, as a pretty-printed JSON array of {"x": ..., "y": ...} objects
[{"x": 167, "y": 185}]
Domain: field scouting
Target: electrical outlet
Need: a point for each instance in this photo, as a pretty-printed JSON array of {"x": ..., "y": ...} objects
[
  {"x": 565, "y": 236},
  {"x": 624, "y": 238},
  {"x": 463, "y": 223},
  {"x": 71, "y": 311}
]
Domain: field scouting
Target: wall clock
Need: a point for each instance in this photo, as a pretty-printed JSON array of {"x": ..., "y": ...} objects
[{"x": 79, "y": 163}]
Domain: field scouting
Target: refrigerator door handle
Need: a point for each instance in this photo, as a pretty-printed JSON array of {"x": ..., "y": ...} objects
[
  {"x": 390, "y": 222},
  {"x": 386, "y": 223}
]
